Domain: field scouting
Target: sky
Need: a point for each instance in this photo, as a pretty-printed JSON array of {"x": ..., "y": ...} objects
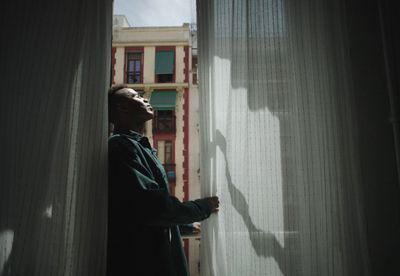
[{"x": 157, "y": 12}]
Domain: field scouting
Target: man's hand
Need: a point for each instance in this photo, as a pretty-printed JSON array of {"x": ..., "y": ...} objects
[
  {"x": 213, "y": 202},
  {"x": 192, "y": 229},
  {"x": 196, "y": 228}
]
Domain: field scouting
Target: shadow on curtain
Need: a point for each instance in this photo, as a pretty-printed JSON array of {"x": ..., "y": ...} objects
[
  {"x": 54, "y": 77},
  {"x": 283, "y": 142}
]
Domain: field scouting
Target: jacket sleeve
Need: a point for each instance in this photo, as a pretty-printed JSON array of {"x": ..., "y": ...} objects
[
  {"x": 186, "y": 229},
  {"x": 134, "y": 193}
]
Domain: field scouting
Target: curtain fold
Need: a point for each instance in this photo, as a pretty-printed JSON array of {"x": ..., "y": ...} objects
[
  {"x": 279, "y": 140},
  {"x": 53, "y": 193}
]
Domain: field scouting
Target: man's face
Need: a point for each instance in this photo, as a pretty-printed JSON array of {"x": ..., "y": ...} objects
[{"x": 135, "y": 105}]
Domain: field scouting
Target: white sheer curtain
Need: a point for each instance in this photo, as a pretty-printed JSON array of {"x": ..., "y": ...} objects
[
  {"x": 55, "y": 64},
  {"x": 278, "y": 140}
]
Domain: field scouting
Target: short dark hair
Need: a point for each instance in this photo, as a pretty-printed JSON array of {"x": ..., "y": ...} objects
[{"x": 114, "y": 99}]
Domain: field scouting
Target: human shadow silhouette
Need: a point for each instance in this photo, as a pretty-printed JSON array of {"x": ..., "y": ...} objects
[
  {"x": 265, "y": 244},
  {"x": 262, "y": 72}
]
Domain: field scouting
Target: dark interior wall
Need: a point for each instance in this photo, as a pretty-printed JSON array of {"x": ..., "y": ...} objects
[{"x": 376, "y": 140}]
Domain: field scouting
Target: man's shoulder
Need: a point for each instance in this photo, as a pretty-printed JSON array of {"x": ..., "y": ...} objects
[
  {"x": 122, "y": 141},
  {"x": 121, "y": 138}
]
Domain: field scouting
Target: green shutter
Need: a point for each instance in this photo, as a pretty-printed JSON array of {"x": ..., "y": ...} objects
[
  {"x": 164, "y": 62},
  {"x": 163, "y": 100}
]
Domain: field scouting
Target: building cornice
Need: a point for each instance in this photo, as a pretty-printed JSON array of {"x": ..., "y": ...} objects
[
  {"x": 157, "y": 86},
  {"x": 151, "y": 36},
  {"x": 147, "y": 43},
  {"x": 156, "y": 28}
]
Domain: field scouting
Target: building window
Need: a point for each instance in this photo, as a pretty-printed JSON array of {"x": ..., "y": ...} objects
[
  {"x": 164, "y": 121},
  {"x": 168, "y": 152},
  {"x": 134, "y": 67},
  {"x": 194, "y": 70},
  {"x": 164, "y": 151},
  {"x": 165, "y": 65},
  {"x": 165, "y": 155}
]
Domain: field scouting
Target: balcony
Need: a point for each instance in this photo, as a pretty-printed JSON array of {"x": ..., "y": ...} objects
[
  {"x": 164, "y": 125},
  {"x": 170, "y": 170},
  {"x": 133, "y": 77}
]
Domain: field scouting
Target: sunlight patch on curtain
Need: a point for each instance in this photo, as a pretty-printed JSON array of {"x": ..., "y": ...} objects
[{"x": 277, "y": 140}]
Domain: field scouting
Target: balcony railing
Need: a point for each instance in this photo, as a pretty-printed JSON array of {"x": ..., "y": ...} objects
[
  {"x": 164, "y": 125},
  {"x": 133, "y": 77},
  {"x": 170, "y": 170}
]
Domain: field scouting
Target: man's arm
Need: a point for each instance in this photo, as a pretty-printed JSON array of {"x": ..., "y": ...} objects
[
  {"x": 134, "y": 192},
  {"x": 186, "y": 212}
]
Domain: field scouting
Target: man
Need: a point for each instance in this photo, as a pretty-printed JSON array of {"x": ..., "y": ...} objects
[{"x": 143, "y": 234}]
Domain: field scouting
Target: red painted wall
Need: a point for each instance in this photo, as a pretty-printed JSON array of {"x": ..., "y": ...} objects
[{"x": 186, "y": 144}]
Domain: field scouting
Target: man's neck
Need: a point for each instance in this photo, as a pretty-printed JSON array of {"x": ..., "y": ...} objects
[{"x": 137, "y": 127}]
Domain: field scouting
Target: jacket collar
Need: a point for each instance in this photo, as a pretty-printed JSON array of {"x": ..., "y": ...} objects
[
  {"x": 128, "y": 132},
  {"x": 143, "y": 140}
]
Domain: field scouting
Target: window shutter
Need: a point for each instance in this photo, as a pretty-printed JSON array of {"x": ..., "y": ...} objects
[
  {"x": 163, "y": 100},
  {"x": 164, "y": 62}
]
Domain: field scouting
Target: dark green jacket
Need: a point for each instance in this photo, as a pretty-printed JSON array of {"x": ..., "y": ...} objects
[{"x": 143, "y": 237}]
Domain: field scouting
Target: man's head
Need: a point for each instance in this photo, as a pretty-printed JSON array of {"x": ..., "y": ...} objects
[{"x": 126, "y": 106}]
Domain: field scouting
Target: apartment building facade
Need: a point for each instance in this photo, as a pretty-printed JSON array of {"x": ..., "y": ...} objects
[{"x": 158, "y": 63}]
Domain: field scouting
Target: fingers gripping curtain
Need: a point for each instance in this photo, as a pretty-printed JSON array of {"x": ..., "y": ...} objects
[
  {"x": 54, "y": 76},
  {"x": 277, "y": 140}
]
